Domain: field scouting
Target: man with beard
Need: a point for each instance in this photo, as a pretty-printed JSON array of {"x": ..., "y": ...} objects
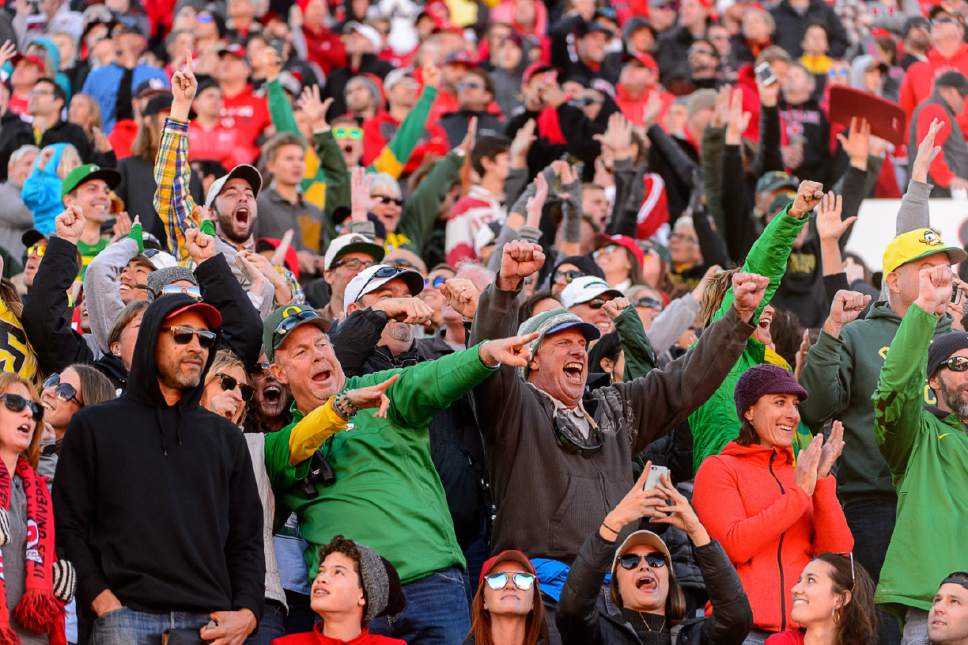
[
  {"x": 231, "y": 199},
  {"x": 376, "y": 481},
  {"x": 926, "y": 447},
  {"x": 156, "y": 501}
]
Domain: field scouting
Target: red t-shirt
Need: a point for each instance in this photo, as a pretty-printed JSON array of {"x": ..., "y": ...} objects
[
  {"x": 217, "y": 144},
  {"x": 248, "y": 116},
  {"x": 789, "y": 637},
  {"x": 316, "y": 637}
]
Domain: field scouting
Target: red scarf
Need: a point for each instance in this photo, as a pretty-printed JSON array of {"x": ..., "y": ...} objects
[{"x": 38, "y": 610}]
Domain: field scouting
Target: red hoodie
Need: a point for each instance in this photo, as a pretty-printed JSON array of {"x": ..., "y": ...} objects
[
  {"x": 634, "y": 108},
  {"x": 919, "y": 80},
  {"x": 748, "y": 499}
]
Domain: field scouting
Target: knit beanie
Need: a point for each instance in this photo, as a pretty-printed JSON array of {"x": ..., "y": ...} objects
[
  {"x": 764, "y": 379},
  {"x": 381, "y": 585},
  {"x": 157, "y": 280}
]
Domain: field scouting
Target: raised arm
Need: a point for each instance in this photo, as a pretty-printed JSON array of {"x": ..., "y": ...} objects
[
  {"x": 914, "y": 213},
  {"x": 395, "y": 154}
]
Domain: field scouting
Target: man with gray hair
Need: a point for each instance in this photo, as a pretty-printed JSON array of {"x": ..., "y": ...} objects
[{"x": 15, "y": 217}]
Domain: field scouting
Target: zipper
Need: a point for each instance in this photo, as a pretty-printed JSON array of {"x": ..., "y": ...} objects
[{"x": 779, "y": 554}]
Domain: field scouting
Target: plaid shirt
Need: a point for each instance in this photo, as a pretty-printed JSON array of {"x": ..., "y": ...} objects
[{"x": 173, "y": 201}]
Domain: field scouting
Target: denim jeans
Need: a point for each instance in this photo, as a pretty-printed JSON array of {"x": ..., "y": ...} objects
[
  {"x": 915, "y": 627},
  {"x": 272, "y": 625},
  {"x": 871, "y": 520},
  {"x": 437, "y": 612},
  {"x": 129, "y": 627}
]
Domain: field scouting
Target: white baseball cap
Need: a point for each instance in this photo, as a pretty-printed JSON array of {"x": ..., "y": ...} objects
[
  {"x": 368, "y": 32},
  {"x": 376, "y": 276},
  {"x": 243, "y": 171},
  {"x": 586, "y": 288},
  {"x": 351, "y": 243}
]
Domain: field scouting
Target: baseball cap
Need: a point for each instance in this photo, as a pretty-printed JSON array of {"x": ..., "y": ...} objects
[
  {"x": 585, "y": 28},
  {"x": 351, "y": 243},
  {"x": 157, "y": 104},
  {"x": 460, "y": 58},
  {"x": 917, "y": 244},
  {"x": 634, "y": 24},
  {"x": 234, "y": 49},
  {"x": 643, "y": 59},
  {"x": 242, "y": 171},
  {"x": 374, "y": 277},
  {"x": 510, "y": 555},
  {"x": 954, "y": 79},
  {"x": 397, "y": 75},
  {"x": 368, "y": 32},
  {"x": 281, "y": 323},
  {"x": 625, "y": 242},
  {"x": 944, "y": 346},
  {"x": 585, "y": 288},
  {"x": 554, "y": 321},
  {"x": 30, "y": 58},
  {"x": 209, "y": 313},
  {"x": 915, "y": 21},
  {"x": 151, "y": 87},
  {"x": 160, "y": 259},
  {"x": 31, "y": 237},
  {"x": 774, "y": 180},
  {"x": 89, "y": 172}
]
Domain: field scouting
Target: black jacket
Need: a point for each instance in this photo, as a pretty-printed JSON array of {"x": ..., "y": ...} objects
[
  {"x": 587, "y": 615},
  {"x": 336, "y": 82},
  {"x": 455, "y": 124},
  {"x": 790, "y": 27},
  {"x": 17, "y": 133},
  {"x": 159, "y": 503},
  {"x": 137, "y": 189},
  {"x": 456, "y": 445}
]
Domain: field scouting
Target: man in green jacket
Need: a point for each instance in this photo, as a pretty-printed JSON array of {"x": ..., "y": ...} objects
[
  {"x": 926, "y": 448},
  {"x": 375, "y": 483}
]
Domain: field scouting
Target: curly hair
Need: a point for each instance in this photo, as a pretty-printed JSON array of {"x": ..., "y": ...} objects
[{"x": 340, "y": 544}]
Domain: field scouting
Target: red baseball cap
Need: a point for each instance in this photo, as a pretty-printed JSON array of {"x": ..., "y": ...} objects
[
  {"x": 624, "y": 241},
  {"x": 643, "y": 59},
  {"x": 208, "y": 313},
  {"x": 536, "y": 68},
  {"x": 30, "y": 58},
  {"x": 505, "y": 556},
  {"x": 235, "y": 49}
]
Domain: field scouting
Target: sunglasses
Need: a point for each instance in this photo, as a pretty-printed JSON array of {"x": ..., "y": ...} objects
[
  {"x": 174, "y": 289},
  {"x": 630, "y": 561},
  {"x": 17, "y": 403},
  {"x": 838, "y": 72},
  {"x": 64, "y": 391},
  {"x": 229, "y": 383},
  {"x": 470, "y": 86},
  {"x": 611, "y": 248},
  {"x": 850, "y": 555},
  {"x": 436, "y": 283},
  {"x": 956, "y": 363},
  {"x": 648, "y": 303},
  {"x": 497, "y": 581},
  {"x": 383, "y": 199},
  {"x": 353, "y": 264},
  {"x": 260, "y": 368},
  {"x": 348, "y": 133},
  {"x": 291, "y": 322},
  {"x": 184, "y": 335},
  {"x": 568, "y": 276},
  {"x": 597, "y": 303},
  {"x": 37, "y": 249}
]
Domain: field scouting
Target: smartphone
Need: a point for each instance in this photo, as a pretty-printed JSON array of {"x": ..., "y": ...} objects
[
  {"x": 956, "y": 295},
  {"x": 655, "y": 474},
  {"x": 764, "y": 74}
]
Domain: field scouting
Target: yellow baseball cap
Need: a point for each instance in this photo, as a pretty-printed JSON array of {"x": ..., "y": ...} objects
[{"x": 916, "y": 244}]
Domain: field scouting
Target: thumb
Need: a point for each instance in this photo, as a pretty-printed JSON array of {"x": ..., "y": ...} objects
[
  {"x": 848, "y": 221},
  {"x": 843, "y": 140}
]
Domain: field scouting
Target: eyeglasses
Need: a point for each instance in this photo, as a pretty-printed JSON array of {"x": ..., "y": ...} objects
[
  {"x": 943, "y": 20},
  {"x": 956, "y": 363},
  {"x": 838, "y": 71},
  {"x": 37, "y": 249},
  {"x": 384, "y": 199},
  {"x": 64, "y": 391},
  {"x": 229, "y": 383},
  {"x": 348, "y": 133},
  {"x": 184, "y": 335},
  {"x": 36, "y": 92},
  {"x": 701, "y": 50},
  {"x": 568, "y": 276},
  {"x": 648, "y": 303},
  {"x": 17, "y": 403},
  {"x": 289, "y": 323},
  {"x": 680, "y": 237},
  {"x": 436, "y": 283},
  {"x": 630, "y": 561},
  {"x": 353, "y": 264},
  {"x": 497, "y": 581},
  {"x": 611, "y": 248},
  {"x": 174, "y": 289},
  {"x": 469, "y": 85}
]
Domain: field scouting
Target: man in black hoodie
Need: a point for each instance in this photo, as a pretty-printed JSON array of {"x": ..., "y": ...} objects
[{"x": 156, "y": 502}]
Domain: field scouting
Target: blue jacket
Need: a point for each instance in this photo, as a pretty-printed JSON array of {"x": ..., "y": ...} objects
[
  {"x": 103, "y": 82},
  {"x": 42, "y": 191}
]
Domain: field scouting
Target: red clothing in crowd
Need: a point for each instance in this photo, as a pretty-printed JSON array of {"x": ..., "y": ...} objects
[
  {"x": 919, "y": 80},
  {"x": 122, "y": 137},
  {"x": 789, "y": 637},
  {"x": 218, "y": 144},
  {"x": 748, "y": 499},
  {"x": 18, "y": 104},
  {"x": 634, "y": 108},
  {"x": 325, "y": 48},
  {"x": 316, "y": 637},
  {"x": 248, "y": 116},
  {"x": 378, "y": 131}
]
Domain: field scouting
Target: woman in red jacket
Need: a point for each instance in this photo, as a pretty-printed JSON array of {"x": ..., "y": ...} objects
[{"x": 770, "y": 512}]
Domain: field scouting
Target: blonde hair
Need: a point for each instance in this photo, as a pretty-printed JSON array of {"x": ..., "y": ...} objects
[
  {"x": 8, "y": 380},
  {"x": 69, "y": 161},
  {"x": 226, "y": 359},
  {"x": 712, "y": 296}
]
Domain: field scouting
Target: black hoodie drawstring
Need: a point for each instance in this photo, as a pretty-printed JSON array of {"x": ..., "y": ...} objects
[
  {"x": 178, "y": 424},
  {"x": 161, "y": 429}
]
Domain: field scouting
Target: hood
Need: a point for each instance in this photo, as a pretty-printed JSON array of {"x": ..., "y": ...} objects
[
  {"x": 758, "y": 454},
  {"x": 883, "y": 311},
  {"x": 143, "y": 380},
  {"x": 51, "y": 167},
  {"x": 52, "y": 51}
]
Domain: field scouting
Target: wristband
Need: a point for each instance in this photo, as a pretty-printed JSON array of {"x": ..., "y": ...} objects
[
  {"x": 344, "y": 407},
  {"x": 606, "y": 526}
]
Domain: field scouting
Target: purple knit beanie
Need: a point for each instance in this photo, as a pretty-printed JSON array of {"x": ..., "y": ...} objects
[{"x": 764, "y": 379}]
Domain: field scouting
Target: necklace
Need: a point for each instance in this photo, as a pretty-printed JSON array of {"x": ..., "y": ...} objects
[{"x": 645, "y": 623}]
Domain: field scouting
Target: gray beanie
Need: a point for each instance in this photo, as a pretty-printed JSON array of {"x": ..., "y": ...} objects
[
  {"x": 381, "y": 585},
  {"x": 157, "y": 280}
]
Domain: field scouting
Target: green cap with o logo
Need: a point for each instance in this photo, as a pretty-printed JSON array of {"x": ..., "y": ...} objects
[
  {"x": 280, "y": 324},
  {"x": 89, "y": 172}
]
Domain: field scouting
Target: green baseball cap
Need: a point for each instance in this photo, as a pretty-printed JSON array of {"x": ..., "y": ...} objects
[
  {"x": 89, "y": 172},
  {"x": 283, "y": 321},
  {"x": 774, "y": 180}
]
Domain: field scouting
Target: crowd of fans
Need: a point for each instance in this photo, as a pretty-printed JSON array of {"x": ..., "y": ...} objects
[{"x": 501, "y": 322}]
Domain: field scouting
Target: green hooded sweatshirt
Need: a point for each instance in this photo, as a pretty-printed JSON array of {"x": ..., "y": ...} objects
[
  {"x": 841, "y": 374},
  {"x": 927, "y": 453},
  {"x": 715, "y": 423},
  {"x": 386, "y": 493}
]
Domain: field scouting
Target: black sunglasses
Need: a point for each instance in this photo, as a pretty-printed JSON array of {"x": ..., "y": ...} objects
[
  {"x": 630, "y": 561},
  {"x": 383, "y": 199},
  {"x": 568, "y": 276},
  {"x": 382, "y": 272},
  {"x": 956, "y": 363},
  {"x": 64, "y": 391},
  {"x": 648, "y": 303},
  {"x": 230, "y": 383},
  {"x": 597, "y": 303},
  {"x": 260, "y": 368},
  {"x": 17, "y": 403},
  {"x": 184, "y": 335}
]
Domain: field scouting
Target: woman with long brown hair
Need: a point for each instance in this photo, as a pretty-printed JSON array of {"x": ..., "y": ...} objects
[
  {"x": 507, "y": 608},
  {"x": 833, "y": 603}
]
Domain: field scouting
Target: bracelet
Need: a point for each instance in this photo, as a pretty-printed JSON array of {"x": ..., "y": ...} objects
[
  {"x": 604, "y": 525},
  {"x": 344, "y": 407}
]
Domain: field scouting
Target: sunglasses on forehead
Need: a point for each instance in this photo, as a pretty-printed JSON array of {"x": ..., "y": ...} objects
[{"x": 289, "y": 323}]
